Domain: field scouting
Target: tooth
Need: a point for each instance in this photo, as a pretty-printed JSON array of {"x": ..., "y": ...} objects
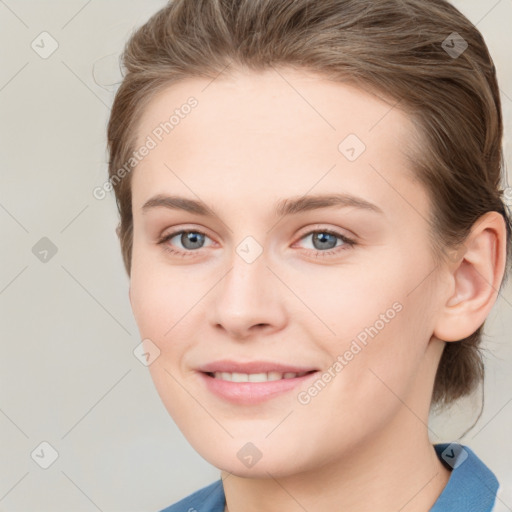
[
  {"x": 257, "y": 377},
  {"x": 239, "y": 377}
]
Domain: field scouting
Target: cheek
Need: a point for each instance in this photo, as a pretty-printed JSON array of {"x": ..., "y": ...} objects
[
  {"x": 381, "y": 323},
  {"x": 155, "y": 300},
  {"x": 394, "y": 368},
  {"x": 381, "y": 370},
  {"x": 160, "y": 308},
  {"x": 149, "y": 301},
  {"x": 153, "y": 296},
  {"x": 165, "y": 304},
  {"x": 351, "y": 302}
]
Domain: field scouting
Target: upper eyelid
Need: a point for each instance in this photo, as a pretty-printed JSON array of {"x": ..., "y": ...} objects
[{"x": 335, "y": 231}]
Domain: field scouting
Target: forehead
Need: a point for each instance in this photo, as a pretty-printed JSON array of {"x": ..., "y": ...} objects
[{"x": 271, "y": 131}]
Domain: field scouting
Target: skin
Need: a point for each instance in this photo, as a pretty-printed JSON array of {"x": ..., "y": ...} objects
[{"x": 251, "y": 141}]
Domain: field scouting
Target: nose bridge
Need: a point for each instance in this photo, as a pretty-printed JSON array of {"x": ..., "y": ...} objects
[
  {"x": 248, "y": 294},
  {"x": 246, "y": 285}
]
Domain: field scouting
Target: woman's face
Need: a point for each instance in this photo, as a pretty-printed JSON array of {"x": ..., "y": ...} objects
[{"x": 273, "y": 280}]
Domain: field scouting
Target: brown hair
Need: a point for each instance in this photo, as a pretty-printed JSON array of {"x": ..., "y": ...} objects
[{"x": 400, "y": 49}]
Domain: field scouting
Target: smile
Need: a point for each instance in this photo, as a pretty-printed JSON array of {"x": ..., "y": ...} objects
[{"x": 259, "y": 382}]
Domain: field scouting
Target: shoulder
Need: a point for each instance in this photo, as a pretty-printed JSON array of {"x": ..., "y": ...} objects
[{"x": 208, "y": 499}]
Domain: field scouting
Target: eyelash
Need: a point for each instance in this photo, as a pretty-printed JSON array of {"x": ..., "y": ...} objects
[{"x": 347, "y": 242}]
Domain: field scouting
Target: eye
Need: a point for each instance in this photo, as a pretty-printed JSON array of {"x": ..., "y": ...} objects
[
  {"x": 327, "y": 242},
  {"x": 191, "y": 240}
]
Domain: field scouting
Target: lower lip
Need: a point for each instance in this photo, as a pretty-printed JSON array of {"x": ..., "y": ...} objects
[{"x": 248, "y": 393}]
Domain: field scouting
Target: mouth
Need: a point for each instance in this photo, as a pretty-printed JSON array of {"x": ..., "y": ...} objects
[{"x": 252, "y": 383}]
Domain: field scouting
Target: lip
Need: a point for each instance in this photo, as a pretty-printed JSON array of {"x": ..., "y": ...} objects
[
  {"x": 252, "y": 367},
  {"x": 251, "y": 393}
]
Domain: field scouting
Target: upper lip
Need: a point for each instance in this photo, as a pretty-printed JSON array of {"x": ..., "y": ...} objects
[{"x": 252, "y": 367}]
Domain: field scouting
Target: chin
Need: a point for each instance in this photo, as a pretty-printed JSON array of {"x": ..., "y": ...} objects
[{"x": 245, "y": 460}]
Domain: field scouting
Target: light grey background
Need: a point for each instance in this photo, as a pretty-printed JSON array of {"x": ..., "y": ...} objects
[{"x": 67, "y": 369}]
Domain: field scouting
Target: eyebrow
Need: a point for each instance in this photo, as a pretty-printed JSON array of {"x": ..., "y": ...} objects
[{"x": 283, "y": 207}]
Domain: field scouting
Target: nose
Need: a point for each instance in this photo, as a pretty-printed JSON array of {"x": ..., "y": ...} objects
[{"x": 248, "y": 300}]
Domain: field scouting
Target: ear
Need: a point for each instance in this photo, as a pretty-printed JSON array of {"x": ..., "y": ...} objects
[{"x": 476, "y": 275}]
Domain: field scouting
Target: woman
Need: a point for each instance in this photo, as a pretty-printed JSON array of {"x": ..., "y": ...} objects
[{"x": 313, "y": 225}]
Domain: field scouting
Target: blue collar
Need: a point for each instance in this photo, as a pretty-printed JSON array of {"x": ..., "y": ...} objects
[{"x": 472, "y": 486}]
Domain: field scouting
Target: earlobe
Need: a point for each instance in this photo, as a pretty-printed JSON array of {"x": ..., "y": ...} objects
[{"x": 477, "y": 276}]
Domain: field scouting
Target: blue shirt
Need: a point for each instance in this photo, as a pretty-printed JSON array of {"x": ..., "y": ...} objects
[{"x": 472, "y": 486}]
